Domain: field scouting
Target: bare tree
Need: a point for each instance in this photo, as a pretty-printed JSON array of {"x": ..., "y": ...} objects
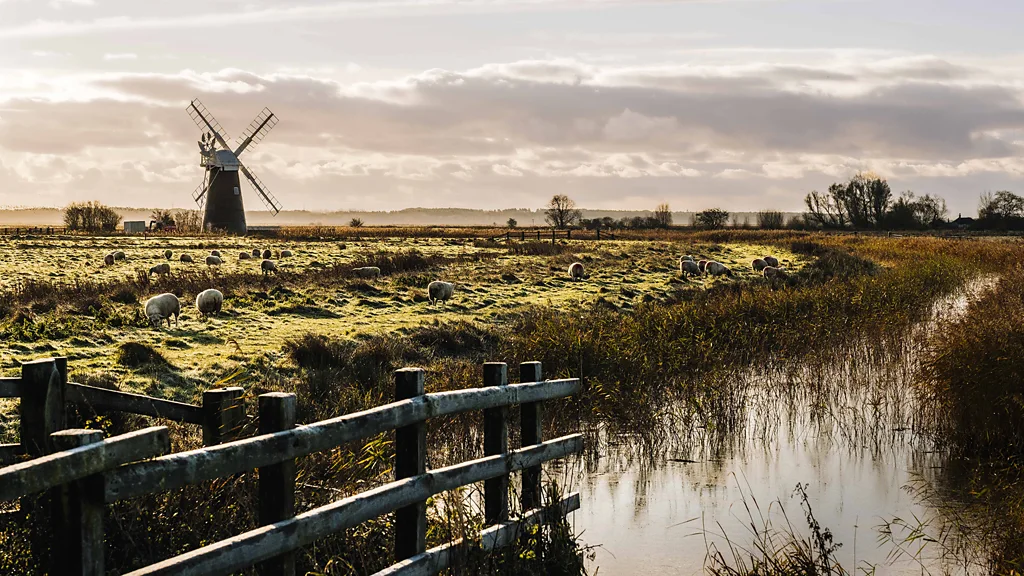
[
  {"x": 663, "y": 215},
  {"x": 355, "y": 223},
  {"x": 562, "y": 212},
  {"x": 770, "y": 220}
]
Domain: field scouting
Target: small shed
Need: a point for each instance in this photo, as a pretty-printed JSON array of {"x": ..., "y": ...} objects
[{"x": 134, "y": 226}]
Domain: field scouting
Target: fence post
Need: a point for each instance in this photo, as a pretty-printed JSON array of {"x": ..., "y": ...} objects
[
  {"x": 598, "y": 233},
  {"x": 42, "y": 404},
  {"x": 568, "y": 233},
  {"x": 522, "y": 236},
  {"x": 223, "y": 414},
  {"x": 538, "y": 235},
  {"x": 78, "y": 514},
  {"x": 496, "y": 442},
  {"x": 530, "y": 432},
  {"x": 277, "y": 481},
  {"x": 552, "y": 235},
  {"x": 410, "y": 460}
]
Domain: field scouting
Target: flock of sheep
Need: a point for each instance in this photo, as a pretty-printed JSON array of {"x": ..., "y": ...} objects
[
  {"x": 209, "y": 302},
  {"x": 767, "y": 266}
]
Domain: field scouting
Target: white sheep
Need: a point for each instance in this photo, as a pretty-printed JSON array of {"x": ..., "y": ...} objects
[
  {"x": 267, "y": 254},
  {"x": 687, "y": 257},
  {"x": 209, "y": 302},
  {"x": 119, "y": 255},
  {"x": 213, "y": 260},
  {"x": 689, "y": 267},
  {"x": 366, "y": 272},
  {"x": 772, "y": 261},
  {"x": 702, "y": 265},
  {"x": 215, "y": 253},
  {"x": 286, "y": 253},
  {"x": 108, "y": 260},
  {"x": 268, "y": 266},
  {"x": 244, "y": 256},
  {"x": 576, "y": 271},
  {"x": 759, "y": 264},
  {"x": 718, "y": 269},
  {"x": 255, "y": 252},
  {"x": 438, "y": 291},
  {"x": 185, "y": 258},
  {"x": 168, "y": 254},
  {"x": 162, "y": 307},
  {"x": 774, "y": 272},
  {"x": 163, "y": 268}
]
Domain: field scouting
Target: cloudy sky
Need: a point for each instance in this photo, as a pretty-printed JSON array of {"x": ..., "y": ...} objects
[{"x": 743, "y": 104}]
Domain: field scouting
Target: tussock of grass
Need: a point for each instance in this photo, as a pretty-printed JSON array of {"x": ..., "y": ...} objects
[{"x": 138, "y": 355}]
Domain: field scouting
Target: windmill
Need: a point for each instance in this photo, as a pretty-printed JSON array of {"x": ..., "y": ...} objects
[{"x": 220, "y": 193}]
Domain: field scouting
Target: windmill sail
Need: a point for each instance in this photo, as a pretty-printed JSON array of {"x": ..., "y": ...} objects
[
  {"x": 202, "y": 117},
  {"x": 268, "y": 199},
  {"x": 256, "y": 131}
]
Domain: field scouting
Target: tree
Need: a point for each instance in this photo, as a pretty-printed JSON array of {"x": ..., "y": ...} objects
[
  {"x": 162, "y": 217},
  {"x": 663, "y": 215},
  {"x": 188, "y": 221},
  {"x": 562, "y": 212},
  {"x": 863, "y": 202},
  {"x": 711, "y": 219},
  {"x": 91, "y": 217},
  {"x": 355, "y": 223},
  {"x": 770, "y": 220},
  {"x": 512, "y": 223},
  {"x": 1000, "y": 210}
]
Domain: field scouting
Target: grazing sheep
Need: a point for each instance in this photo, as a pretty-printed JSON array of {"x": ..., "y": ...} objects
[
  {"x": 702, "y": 265},
  {"x": 438, "y": 291},
  {"x": 267, "y": 254},
  {"x": 215, "y": 253},
  {"x": 772, "y": 261},
  {"x": 213, "y": 261},
  {"x": 366, "y": 272},
  {"x": 255, "y": 252},
  {"x": 687, "y": 257},
  {"x": 119, "y": 255},
  {"x": 718, "y": 269},
  {"x": 244, "y": 256},
  {"x": 758, "y": 264},
  {"x": 164, "y": 268},
  {"x": 775, "y": 272},
  {"x": 108, "y": 260},
  {"x": 162, "y": 307},
  {"x": 209, "y": 302},
  {"x": 168, "y": 254},
  {"x": 689, "y": 267},
  {"x": 576, "y": 271},
  {"x": 268, "y": 266},
  {"x": 185, "y": 258},
  {"x": 286, "y": 253}
]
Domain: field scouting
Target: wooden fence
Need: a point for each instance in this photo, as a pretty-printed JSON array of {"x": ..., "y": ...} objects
[
  {"x": 539, "y": 235},
  {"x": 80, "y": 472}
]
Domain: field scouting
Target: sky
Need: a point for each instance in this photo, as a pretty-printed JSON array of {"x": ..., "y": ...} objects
[{"x": 383, "y": 105}]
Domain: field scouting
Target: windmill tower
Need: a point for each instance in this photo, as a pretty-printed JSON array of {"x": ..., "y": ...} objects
[{"x": 220, "y": 193}]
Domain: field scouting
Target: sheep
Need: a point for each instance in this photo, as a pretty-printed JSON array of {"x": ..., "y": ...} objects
[
  {"x": 255, "y": 252},
  {"x": 438, "y": 291},
  {"x": 267, "y": 254},
  {"x": 185, "y": 258},
  {"x": 209, "y": 302},
  {"x": 687, "y": 257},
  {"x": 772, "y": 261},
  {"x": 718, "y": 269},
  {"x": 215, "y": 253},
  {"x": 702, "y": 265},
  {"x": 772, "y": 272},
  {"x": 689, "y": 267},
  {"x": 286, "y": 253},
  {"x": 162, "y": 307},
  {"x": 366, "y": 272},
  {"x": 168, "y": 254},
  {"x": 576, "y": 271},
  {"x": 108, "y": 260},
  {"x": 118, "y": 255},
  {"x": 759, "y": 264},
  {"x": 244, "y": 256},
  {"x": 268, "y": 266},
  {"x": 164, "y": 268},
  {"x": 213, "y": 260}
]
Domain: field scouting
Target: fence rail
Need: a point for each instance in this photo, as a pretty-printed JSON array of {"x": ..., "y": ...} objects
[
  {"x": 80, "y": 473},
  {"x": 552, "y": 234}
]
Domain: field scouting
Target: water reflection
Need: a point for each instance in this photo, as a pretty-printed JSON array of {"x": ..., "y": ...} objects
[{"x": 842, "y": 423}]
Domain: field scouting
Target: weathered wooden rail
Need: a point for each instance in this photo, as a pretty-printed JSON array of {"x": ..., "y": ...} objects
[
  {"x": 552, "y": 234},
  {"x": 80, "y": 472}
]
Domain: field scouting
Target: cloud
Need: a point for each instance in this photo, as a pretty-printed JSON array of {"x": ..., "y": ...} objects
[
  {"x": 521, "y": 130},
  {"x": 121, "y": 56}
]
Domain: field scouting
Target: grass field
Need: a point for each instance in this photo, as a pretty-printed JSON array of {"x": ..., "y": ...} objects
[{"x": 314, "y": 293}]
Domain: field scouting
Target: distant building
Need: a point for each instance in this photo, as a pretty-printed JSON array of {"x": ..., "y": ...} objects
[
  {"x": 134, "y": 226},
  {"x": 961, "y": 222}
]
